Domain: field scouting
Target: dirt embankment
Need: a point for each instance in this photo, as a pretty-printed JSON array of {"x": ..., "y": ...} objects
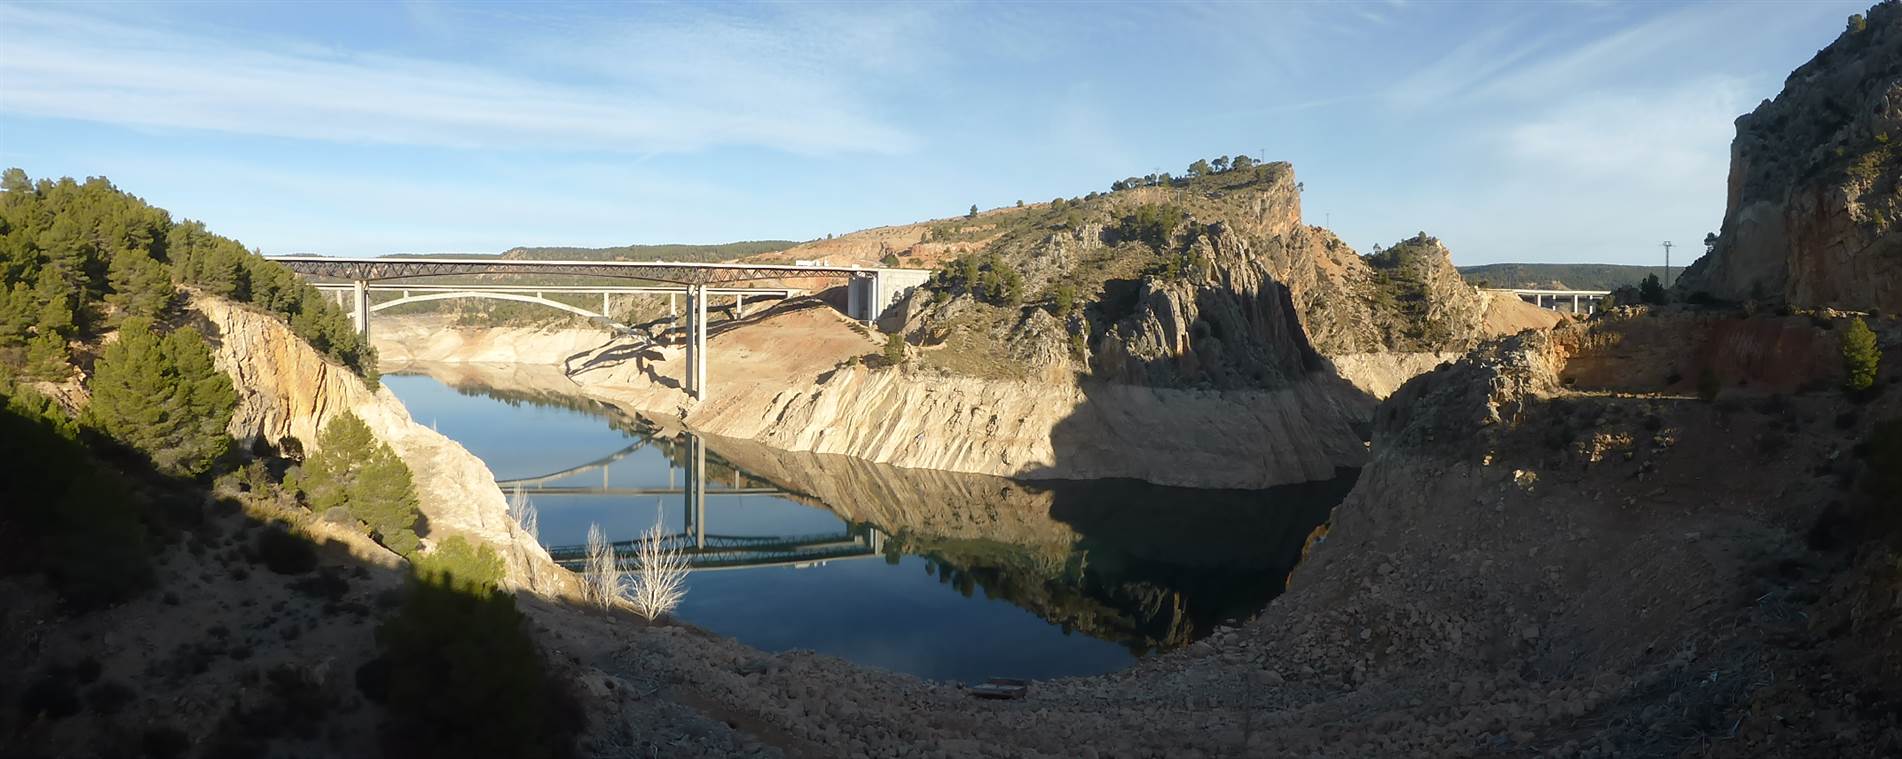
[
  {"x": 405, "y": 339},
  {"x": 287, "y": 390}
]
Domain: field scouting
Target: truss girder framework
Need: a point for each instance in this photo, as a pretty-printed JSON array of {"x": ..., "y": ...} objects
[{"x": 376, "y": 269}]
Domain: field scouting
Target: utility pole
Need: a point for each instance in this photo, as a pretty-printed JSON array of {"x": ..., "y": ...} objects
[{"x": 1667, "y": 263}]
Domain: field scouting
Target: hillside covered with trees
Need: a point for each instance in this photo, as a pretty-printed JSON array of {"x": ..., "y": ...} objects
[
  {"x": 152, "y": 563},
  {"x": 76, "y": 258}
]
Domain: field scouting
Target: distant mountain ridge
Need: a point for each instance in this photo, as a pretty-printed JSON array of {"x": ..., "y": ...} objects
[{"x": 1559, "y": 276}]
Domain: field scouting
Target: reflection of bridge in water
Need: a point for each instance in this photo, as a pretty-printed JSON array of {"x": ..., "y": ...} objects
[{"x": 703, "y": 550}]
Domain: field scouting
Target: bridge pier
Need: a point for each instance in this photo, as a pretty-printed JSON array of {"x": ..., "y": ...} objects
[
  {"x": 696, "y": 379},
  {"x": 360, "y": 298}
]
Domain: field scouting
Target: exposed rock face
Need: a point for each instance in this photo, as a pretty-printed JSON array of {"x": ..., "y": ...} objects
[
  {"x": 1382, "y": 373},
  {"x": 1439, "y": 412},
  {"x": 288, "y": 390},
  {"x": 1814, "y": 202},
  {"x": 786, "y": 382}
]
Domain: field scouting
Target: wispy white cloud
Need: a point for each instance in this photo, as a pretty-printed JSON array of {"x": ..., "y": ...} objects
[
  {"x": 718, "y": 83},
  {"x": 1469, "y": 66},
  {"x": 1664, "y": 138}
]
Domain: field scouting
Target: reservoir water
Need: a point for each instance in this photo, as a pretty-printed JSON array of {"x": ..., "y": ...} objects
[{"x": 946, "y": 576}]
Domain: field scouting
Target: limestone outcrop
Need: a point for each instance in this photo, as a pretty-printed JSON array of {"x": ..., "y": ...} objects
[
  {"x": 287, "y": 390},
  {"x": 795, "y": 382},
  {"x": 1814, "y": 212}
]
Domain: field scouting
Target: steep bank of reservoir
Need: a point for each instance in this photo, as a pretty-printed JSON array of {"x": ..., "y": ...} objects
[
  {"x": 933, "y": 573},
  {"x": 287, "y": 391}
]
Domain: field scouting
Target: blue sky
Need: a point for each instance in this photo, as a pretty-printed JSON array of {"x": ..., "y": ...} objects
[{"x": 1584, "y": 131}]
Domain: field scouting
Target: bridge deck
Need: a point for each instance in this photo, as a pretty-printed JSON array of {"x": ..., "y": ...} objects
[{"x": 679, "y": 272}]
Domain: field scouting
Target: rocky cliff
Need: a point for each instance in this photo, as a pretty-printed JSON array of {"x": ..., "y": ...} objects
[
  {"x": 1215, "y": 283},
  {"x": 288, "y": 391},
  {"x": 1814, "y": 200},
  {"x": 796, "y": 380}
]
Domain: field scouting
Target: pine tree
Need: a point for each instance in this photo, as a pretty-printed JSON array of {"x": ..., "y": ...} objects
[
  {"x": 163, "y": 397},
  {"x": 354, "y": 470},
  {"x": 58, "y": 304},
  {"x": 1861, "y": 356},
  {"x": 14, "y": 180},
  {"x": 46, "y": 358},
  {"x": 18, "y": 310},
  {"x": 894, "y": 349},
  {"x": 140, "y": 285}
]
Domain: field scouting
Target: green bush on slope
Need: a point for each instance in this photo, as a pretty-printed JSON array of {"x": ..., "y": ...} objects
[
  {"x": 1861, "y": 356},
  {"x": 354, "y": 470},
  {"x": 986, "y": 277}
]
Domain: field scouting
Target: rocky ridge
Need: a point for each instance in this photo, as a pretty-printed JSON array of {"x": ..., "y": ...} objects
[{"x": 1814, "y": 211}]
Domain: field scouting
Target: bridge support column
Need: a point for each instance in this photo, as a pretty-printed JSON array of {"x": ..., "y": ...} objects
[
  {"x": 360, "y": 300},
  {"x": 696, "y": 380},
  {"x": 697, "y": 489},
  {"x": 739, "y": 306}
]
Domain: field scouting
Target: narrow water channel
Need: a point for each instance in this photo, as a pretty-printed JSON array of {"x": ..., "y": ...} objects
[{"x": 946, "y": 576}]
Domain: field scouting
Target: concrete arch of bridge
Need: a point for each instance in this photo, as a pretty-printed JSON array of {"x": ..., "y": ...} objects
[{"x": 516, "y": 297}]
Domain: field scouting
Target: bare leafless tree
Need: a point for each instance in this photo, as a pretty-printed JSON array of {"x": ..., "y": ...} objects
[
  {"x": 524, "y": 513},
  {"x": 602, "y": 578},
  {"x": 660, "y": 582}
]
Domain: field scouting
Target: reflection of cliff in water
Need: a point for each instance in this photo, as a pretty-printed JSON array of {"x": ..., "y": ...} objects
[
  {"x": 1152, "y": 567},
  {"x": 1148, "y": 566}
]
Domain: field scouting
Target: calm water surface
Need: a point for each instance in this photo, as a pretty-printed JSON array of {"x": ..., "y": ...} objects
[{"x": 954, "y": 577}]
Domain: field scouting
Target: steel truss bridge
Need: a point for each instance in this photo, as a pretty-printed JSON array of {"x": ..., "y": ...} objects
[
  {"x": 704, "y": 551},
  {"x": 869, "y": 290}
]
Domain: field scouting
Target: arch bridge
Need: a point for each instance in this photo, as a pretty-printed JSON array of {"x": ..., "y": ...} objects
[
  {"x": 702, "y": 549},
  {"x": 407, "y": 294},
  {"x": 869, "y": 290}
]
